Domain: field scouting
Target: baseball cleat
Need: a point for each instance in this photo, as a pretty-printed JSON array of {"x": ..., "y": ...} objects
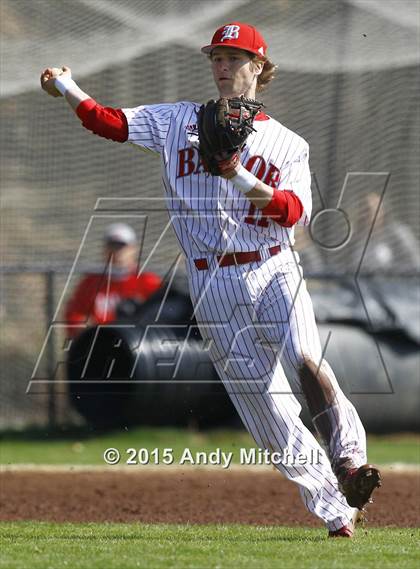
[
  {"x": 358, "y": 485},
  {"x": 345, "y": 531},
  {"x": 348, "y": 530}
]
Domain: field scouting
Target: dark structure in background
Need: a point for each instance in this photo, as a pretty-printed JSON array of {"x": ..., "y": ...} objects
[
  {"x": 150, "y": 368},
  {"x": 133, "y": 373}
]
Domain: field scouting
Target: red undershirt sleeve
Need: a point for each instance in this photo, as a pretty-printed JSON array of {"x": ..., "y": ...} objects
[
  {"x": 285, "y": 208},
  {"x": 103, "y": 121}
]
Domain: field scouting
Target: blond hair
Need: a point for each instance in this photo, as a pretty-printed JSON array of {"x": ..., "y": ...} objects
[{"x": 267, "y": 74}]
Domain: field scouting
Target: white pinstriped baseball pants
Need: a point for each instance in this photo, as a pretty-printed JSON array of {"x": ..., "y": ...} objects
[{"x": 258, "y": 321}]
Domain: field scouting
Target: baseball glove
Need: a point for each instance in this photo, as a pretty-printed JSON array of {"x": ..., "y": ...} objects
[{"x": 223, "y": 127}]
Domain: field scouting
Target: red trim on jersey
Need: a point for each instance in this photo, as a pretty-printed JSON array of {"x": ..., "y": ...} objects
[
  {"x": 261, "y": 117},
  {"x": 103, "y": 121},
  {"x": 285, "y": 208}
]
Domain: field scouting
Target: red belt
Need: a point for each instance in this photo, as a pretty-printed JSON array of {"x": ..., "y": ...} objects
[{"x": 236, "y": 258}]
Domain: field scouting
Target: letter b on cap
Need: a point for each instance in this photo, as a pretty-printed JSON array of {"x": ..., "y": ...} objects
[{"x": 230, "y": 33}]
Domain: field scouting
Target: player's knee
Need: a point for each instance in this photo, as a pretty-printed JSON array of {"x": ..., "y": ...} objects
[
  {"x": 303, "y": 352},
  {"x": 308, "y": 364}
]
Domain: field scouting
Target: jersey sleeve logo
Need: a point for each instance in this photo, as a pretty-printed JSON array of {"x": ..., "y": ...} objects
[
  {"x": 192, "y": 134},
  {"x": 230, "y": 33}
]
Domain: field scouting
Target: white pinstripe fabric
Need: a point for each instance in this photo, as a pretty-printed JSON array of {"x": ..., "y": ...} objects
[
  {"x": 208, "y": 212},
  {"x": 245, "y": 353},
  {"x": 287, "y": 307},
  {"x": 248, "y": 313}
]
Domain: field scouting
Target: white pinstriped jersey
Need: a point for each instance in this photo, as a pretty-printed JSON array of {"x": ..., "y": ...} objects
[{"x": 209, "y": 214}]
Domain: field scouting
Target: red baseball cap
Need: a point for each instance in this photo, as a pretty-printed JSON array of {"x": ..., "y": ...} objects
[{"x": 241, "y": 36}]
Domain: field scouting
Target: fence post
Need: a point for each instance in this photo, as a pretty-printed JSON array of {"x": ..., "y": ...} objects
[{"x": 50, "y": 304}]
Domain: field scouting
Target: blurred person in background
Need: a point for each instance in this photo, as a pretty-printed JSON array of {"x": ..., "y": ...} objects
[
  {"x": 393, "y": 247},
  {"x": 97, "y": 297}
]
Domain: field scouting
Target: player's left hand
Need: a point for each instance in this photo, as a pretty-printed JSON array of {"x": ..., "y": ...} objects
[
  {"x": 228, "y": 165},
  {"x": 223, "y": 128}
]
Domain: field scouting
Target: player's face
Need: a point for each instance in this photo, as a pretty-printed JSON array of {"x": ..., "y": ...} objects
[{"x": 234, "y": 72}]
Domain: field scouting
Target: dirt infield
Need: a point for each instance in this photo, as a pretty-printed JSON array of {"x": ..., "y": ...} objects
[{"x": 180, "y": 496}]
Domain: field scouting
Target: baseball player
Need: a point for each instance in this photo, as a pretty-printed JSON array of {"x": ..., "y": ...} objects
[{"x": 251, "y": 303}]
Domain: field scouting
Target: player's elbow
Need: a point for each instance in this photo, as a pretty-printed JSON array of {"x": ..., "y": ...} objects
[{"x": 285, "y": 208}]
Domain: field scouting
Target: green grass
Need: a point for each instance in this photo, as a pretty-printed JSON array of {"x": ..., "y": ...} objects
[
  {"x": 89, "y": 449},
  {"x": 84, "y": 448},
  {"x": 28, "y": 545},
  {"x": 395, "y": 448}
]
